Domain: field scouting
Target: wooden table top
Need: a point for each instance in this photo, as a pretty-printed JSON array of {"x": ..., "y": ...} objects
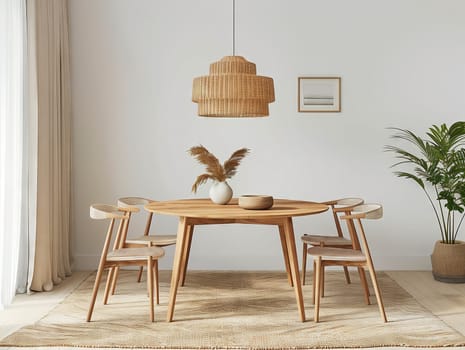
[{"x": 205, "y": 208}]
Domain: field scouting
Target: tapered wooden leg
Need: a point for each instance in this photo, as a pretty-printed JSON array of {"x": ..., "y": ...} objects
[
  {"x": 157, "y": 283},
  {"x": 186, "y": 253},
  {"x": 150, "y": 287},
  {"x": 282, "y": 237},
  {"x": 318, "y": 274},
  {"x": 294, "y": 265},
  {"x": 108, "y": 285},
  {"x": 322, "y": 283},
  {"x": 322, "y": 277},
  {"x": 304, "y": 262},
  {"x": 346, "y": 273},
  {"x": 141, "y": 268},
  {"x": 177, "y": 266},
  {"x": 314, "y": 281},
  {"x": 363, "y": 281},
  {"x": 377, "y": 292},
  {"x": 114, "y": 279},
  {"x": 139, "y": 276},
  {"x": 94, "y": 292}
]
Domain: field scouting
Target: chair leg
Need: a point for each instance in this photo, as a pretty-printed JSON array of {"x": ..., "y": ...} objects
[
  {"x": 322, "y": 277},
  {"x": 139, "y": 276},
  {"x": 94, "y": 293},
  {"x": 108, "y": 285},
  {"x": 317, "y": 288},
  {"x": 304, "y": 262},
  {"x": 363, "y": 281},
  {"x": 322, "y": 284},
  {"x": 314, "y": 281},
  {"x": 346, "y": 273},
  {"x": 115, "y": 278},
  {"x": 377, "y": 292},
  {"x": 150, "y": 287},
  {"x": 157, "y": 283}
]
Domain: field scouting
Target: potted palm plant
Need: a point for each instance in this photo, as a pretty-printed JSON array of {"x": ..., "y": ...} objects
[{"x": 437, "y": 165}]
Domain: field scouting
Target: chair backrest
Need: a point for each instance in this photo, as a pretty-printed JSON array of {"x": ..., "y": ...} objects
[
  {"x": 126, "y": 202},
  {"x": 343, "y": 205},
  {"x": 106, "y": 211},
  {"x": 370, "y": 211},
  {"x": 348, "y": 202},
  {"x": 132, "y": 204}
]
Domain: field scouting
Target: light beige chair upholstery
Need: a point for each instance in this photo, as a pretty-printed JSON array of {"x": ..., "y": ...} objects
[
  {"x": 338, "y": 207},
  {"x": 121, "y": 256},
  {"x": 333, "y": 256},
  {"x": 133, "y": 205}
]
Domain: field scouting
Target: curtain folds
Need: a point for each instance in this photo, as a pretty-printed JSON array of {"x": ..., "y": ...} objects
[
  {"x": 12, "y": 138},
  {"x": 52, "y": 258},
  {"x": 29, "y": 163},
  {"x": 35, "y": 146}
]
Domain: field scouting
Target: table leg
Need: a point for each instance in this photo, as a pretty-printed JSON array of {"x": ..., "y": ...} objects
[
  {"x": 177, "y": 266},
  {"x": 294, "y": 265},
  {"x": 186, "y": 253},
  {"x": 282, "y": 236}
]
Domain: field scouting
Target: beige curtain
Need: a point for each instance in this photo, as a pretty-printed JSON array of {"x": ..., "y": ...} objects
[{"x": 52, "y": 256}]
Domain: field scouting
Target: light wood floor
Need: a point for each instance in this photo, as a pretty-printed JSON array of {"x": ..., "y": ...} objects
[{"x": 446, "y": 301}]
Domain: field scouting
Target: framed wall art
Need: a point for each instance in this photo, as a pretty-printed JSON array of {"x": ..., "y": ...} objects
[{"x": 319, "y": 94}]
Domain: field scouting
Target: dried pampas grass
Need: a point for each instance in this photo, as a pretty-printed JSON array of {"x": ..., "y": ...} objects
[{"x": 214, "y": 169}]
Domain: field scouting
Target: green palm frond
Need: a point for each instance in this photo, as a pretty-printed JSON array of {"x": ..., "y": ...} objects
[
  {"x": 409, "y": 136},
  {"x": 410, "y": 176},
  {"x": 459, "y": 159},
  {"x": 457, "y": 134},
  {"x": 405, "y": 156},
  {"x": 437, "y": 160}
]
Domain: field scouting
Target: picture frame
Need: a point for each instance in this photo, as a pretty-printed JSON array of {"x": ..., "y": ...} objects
[{"x": 319, "y": 94}]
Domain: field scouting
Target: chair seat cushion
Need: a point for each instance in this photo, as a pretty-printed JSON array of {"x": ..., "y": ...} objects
[
  {"x": 326, "y": 240},
  {"x": 130, "y": 254},
  {"x": 158, "y": 240},
  {"x": 328, "y": 253}
]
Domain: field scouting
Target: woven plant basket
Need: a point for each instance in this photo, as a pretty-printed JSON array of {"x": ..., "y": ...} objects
[{"x": 448, "y": 262}]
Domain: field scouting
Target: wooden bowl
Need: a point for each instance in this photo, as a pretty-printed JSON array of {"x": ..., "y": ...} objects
[{"x": 253, "y": 201}]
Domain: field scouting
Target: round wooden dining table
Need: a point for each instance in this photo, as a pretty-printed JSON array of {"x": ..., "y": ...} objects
[{"x": 192, "y": 212}]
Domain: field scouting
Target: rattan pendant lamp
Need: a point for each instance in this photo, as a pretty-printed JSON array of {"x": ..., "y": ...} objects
[{"x": 233, "y": 88}]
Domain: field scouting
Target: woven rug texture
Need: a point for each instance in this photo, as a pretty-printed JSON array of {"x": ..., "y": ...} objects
[{"x": 238, "y": 310}]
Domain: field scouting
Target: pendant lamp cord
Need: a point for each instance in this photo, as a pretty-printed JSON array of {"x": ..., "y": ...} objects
[{"x": 234, "y": 27}]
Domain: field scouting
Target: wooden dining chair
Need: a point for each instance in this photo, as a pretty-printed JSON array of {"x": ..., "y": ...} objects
[
  {"x": 333, "y": 256},
  {"x": 112, "y": 259},
  {"x": 338, "y": 207},
  {"x": 133, "y": 204}
]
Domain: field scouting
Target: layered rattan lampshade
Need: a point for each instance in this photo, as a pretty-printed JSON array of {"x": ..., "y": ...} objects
[{"x": 233, "y": 89}]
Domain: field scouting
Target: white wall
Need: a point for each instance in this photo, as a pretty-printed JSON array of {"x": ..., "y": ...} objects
[{"x": 402, "y": 63}]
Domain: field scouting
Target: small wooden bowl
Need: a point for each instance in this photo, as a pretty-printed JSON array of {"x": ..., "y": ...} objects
[{"x": 253, "y": 201}]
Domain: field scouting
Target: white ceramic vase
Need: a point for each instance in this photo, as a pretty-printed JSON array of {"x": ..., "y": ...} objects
[{"x": 221, "y": 193}]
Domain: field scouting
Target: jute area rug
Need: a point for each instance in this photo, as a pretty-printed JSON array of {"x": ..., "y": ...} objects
[{"x": 236, "y": 310}]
